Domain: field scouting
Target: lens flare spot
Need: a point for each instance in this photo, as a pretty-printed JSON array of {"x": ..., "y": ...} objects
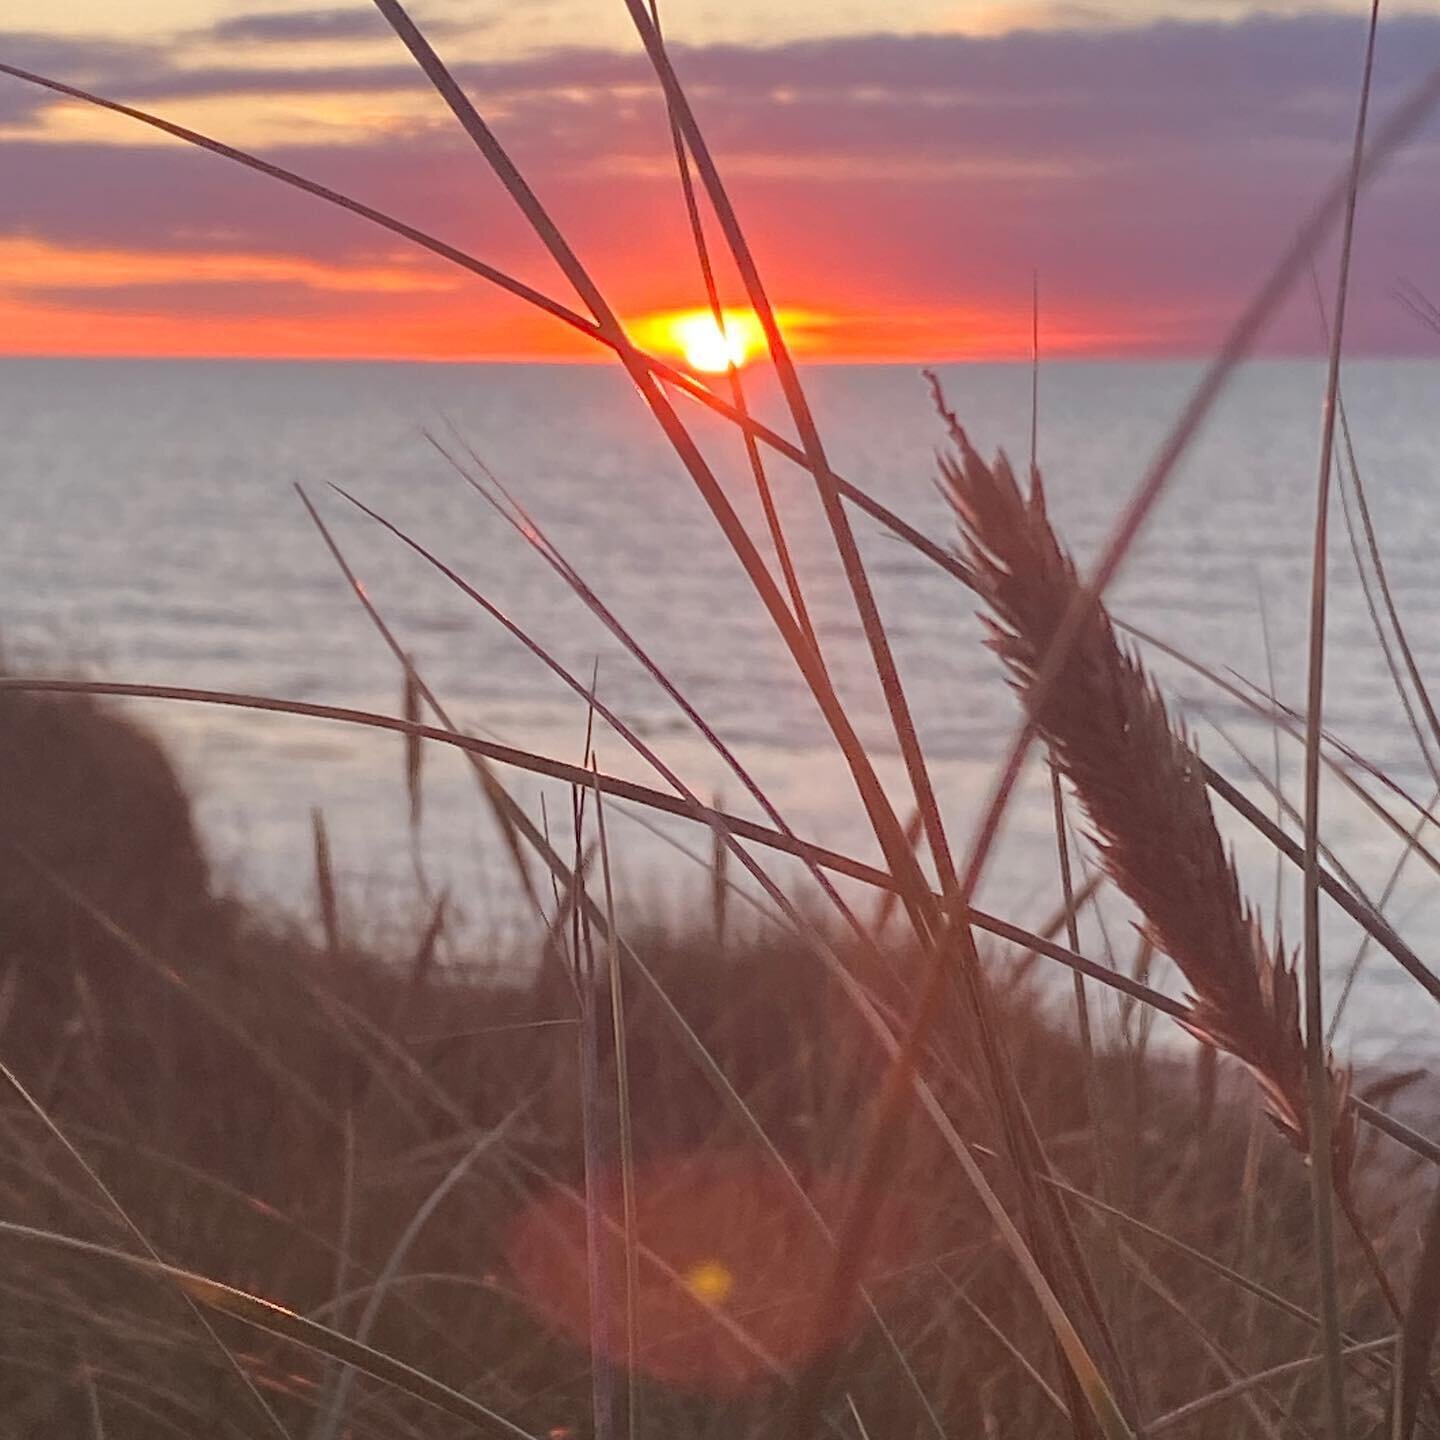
[
  {"x": 710, "y": 1281},
  {"x": 731, "y": 1267}
]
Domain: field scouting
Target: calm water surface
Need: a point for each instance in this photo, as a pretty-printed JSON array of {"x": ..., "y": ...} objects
[{"x": 151, "y": 532}]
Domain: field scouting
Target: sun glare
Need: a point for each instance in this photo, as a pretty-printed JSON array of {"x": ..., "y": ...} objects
[
  {"x": 711, "y": 347},
  {"x": 705, "y": 346}
]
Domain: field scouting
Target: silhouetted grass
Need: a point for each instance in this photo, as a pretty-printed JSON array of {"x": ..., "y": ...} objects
[
  {"x": 273, "y": 1115},
  {"x": 787, "y": 1176}
]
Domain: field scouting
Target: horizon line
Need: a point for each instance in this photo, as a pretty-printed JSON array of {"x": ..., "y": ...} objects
[{"x": 801, "y": 358}]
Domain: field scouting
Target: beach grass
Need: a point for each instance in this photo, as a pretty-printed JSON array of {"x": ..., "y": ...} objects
[{"x": 839, "y": 1169}]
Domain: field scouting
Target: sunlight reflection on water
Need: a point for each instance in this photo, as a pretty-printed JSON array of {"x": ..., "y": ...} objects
[{"x": 151, "y": 533}]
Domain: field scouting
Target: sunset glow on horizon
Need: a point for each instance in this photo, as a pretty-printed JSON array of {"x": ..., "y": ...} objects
[
  {"x": 713, "y": 348},
  {"x": 693, "y": 337},
  {"x": 901, "y": 180}
]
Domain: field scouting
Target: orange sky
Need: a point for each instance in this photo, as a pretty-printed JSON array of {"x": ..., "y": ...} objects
[
  {"x": 427, "y": 310},
  {"x": 901, "y": 190},
  {"x": 431, "y": 329}
]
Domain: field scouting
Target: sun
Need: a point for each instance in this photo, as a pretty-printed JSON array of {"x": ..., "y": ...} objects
[
  {"x": 705, "y": 346},
  {"x": 715, "y": 348}
]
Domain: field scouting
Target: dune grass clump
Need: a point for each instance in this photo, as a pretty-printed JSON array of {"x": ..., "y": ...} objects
[{"x": 346, "y": 1133}]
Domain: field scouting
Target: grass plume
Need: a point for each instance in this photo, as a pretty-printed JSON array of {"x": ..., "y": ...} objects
[{"x": 1141, "y": 785}]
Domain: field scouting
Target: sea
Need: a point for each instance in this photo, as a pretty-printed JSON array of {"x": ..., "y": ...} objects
[{"x": 152, "y": 530}]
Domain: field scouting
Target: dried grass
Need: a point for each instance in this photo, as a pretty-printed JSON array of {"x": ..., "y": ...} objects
[
  {"x": 1144, "y": 793},
  {"x": 733, "y": 1045}
]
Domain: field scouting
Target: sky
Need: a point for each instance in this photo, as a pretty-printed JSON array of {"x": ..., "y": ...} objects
[{"x": 905, "y": 173}]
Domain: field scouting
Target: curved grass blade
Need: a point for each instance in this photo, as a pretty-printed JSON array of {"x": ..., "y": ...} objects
[
  {"x": 271, "y": 1418},
  {"x": 657, "y": 800},
  {"x": 285, "y": 1324},
  {"x": 1183, "y": 1414},
  {"x": 511, "y": 820},
  {"x": 1318, "y": 1067},
  {"x": 329, "y": 1426},
  {"x": 1422, "y": 1320},
  {"x": 1358, "y": 909}
]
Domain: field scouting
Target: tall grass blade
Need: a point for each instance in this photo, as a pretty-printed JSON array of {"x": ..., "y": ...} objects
[
  {"x": 1422, "y": 1320},
  {"x": 272, "y": 1420},
  {"x": 329, "y": 1426},
  {"x": 594, "y": 1149},
  {"x": 737, "y": 385},
  {"x": 325, "y": 885},
  {"x": 511, "y": 821},
  {"x": 818, "y": 464},
  {"x": 414, "y": 753},
  {"x": 719, "y": 887},
  {"x": 871, "y": 792},
  {"x": 1318, "y": 1068},
  {"x": 285, "y": 1324},
  {"x": 624, "y": 1123}
]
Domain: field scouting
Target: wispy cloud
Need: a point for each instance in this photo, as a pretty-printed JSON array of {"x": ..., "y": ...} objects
[
  {"x": 328, "y": 26},
  {"x": 290, "y": 27}
]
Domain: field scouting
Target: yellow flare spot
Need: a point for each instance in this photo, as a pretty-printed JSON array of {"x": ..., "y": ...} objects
[{"x": 710, "y": 1281}]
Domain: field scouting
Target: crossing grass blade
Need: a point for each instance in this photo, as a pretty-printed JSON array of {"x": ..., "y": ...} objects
[{"x": 1422, "y": 1320}]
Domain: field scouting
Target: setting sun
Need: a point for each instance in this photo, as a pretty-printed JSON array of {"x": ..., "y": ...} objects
[
  {"x": 704, "y": 346},
  {"x": 714, "y": 348}
]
